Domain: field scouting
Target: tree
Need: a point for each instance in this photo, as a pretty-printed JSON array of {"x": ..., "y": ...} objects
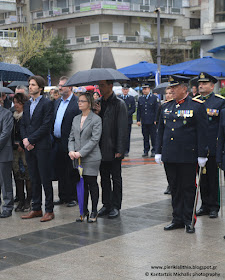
[
  {"x": 29, "y": 43},
  {"x": 56, "y": 58}
]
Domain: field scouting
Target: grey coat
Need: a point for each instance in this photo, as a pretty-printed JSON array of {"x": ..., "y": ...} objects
[
  {"x": 86, "y": 140},
  {"x": 6, "y": 126}
]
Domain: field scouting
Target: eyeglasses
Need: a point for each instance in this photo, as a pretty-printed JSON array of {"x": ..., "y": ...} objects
[{"x": 82, "y": 101}]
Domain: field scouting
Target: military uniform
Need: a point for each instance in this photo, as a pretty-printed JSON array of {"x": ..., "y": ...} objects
[
  {"x": 130, "y": 103},
  {"x": 181, "y": 140},
  {"x": 147, "y": 115},
  {"x": 209, "y": 186}
]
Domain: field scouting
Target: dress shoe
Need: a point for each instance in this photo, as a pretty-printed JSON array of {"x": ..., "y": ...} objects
[
  {"x": 114, "y": 213},
  {"x": 173, "y": 226},
  {"x": 145, "y": 154},
  {"x": 47, "y": 217},
  {"x": 27, "y": 205},
  {"x": 72, "y": 203},
  {"x": 213, "y": 214},
  {"x": 152, "y": 155},
  {"x": 20, "y": 207},
  {"x": 5, "y": 214},
  {"x": 202, "y": 212},
  {"x": 82, "y": 217},
  {"x": 59, "y": 202},
  {"x": 189, "y": 229},
  {"x": 168, "y": 190},
  {"x": 32, "y": 214},
  {"x": 93, "y": 217},
  {"x": 103, "y": 211}
]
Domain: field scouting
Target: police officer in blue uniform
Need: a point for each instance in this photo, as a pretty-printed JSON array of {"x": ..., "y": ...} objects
[
  {"x": 181, "y": 145},
  {"x": 209, "y": 186},
  {"x": 148, "y": 105},
  {"x": 130, "y": 102}
]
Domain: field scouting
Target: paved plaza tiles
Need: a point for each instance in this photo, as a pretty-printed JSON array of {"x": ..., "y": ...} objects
[{"x": 134, "y": 246}]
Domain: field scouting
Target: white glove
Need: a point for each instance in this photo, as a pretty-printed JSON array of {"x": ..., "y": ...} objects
[
  {"x": 158, "y": 158},
  {"x": 202, "y": 161}
]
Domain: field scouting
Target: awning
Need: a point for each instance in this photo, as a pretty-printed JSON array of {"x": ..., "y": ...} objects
[{"x": 218, "y": 49}]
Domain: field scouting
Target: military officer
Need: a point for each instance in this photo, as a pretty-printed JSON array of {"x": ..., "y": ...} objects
[
  {"x": 130, "y": 102},
  {"x": 181, "y": 144},
  {"x": 148, "y": 105},
  {"x": 209, "y": 186}
]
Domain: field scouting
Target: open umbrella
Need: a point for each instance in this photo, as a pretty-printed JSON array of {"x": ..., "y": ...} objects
[
  {"x": 18, "y": 83},
  {"x": 160, "y": 89},
  {"x": 93, "y": 76},
  {"x": 14, "y": 72},
  {"x": 80, "y": 190},
  {"x": 5, "y": 90}
]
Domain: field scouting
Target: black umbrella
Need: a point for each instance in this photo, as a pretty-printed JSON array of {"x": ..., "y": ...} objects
[
  {"x": 160, "y": 89},
  {"x": 14, "y": 72},
  {"x": 5, "y": 90},
  {"x": 18, "y": 83},
  {"x": 93, "y": 76}
]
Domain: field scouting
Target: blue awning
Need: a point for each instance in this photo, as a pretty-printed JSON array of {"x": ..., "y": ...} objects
[{"x": 215, "y": 50}]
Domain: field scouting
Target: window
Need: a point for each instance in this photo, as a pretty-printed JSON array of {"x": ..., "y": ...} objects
[
  {"x": 219, "y": 10},
  {"x": 194, "y": 23}
]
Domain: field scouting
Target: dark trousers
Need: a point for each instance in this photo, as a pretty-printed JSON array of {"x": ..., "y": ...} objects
[
  {"x": 209, "y": 186},
  {"x": 38, "y": 162},
  {"x": 6, "y": 185},
  {"x": 111, "y": 193},
  {"x": 149, "y": 131},
  {"x": 91, "y": 185},
  {"x": 64, "y": 169},
  {"x": 128, "y": 139},
  {"x": 181, "y": 178}
]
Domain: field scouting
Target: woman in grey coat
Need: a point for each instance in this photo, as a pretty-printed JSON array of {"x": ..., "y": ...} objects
[{"x": 84, "y": 144}]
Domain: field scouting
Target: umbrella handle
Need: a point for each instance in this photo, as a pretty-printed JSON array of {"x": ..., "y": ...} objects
[{"x": 79, "y": 161}]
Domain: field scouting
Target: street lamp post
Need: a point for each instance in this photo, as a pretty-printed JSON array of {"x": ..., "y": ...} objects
[{"x": 158, "y": 42}]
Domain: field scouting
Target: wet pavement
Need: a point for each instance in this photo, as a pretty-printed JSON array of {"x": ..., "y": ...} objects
[{"x": 133, "y": 246}]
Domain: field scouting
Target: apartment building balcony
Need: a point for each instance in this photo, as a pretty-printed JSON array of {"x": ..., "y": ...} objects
[
  {"x": 7, "y": 6},
  {"x": 104, "y": 7},
  {"x": 8, "y": 38}
]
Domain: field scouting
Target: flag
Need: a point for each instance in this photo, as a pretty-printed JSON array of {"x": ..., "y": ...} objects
[{"x": 49, "y": 78}]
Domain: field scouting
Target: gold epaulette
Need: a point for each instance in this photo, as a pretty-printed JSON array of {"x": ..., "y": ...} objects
[
  {"x": 168, "y": 101},
  {"x": 197, "y": 96},
  {"x": 197, "y": 100},
  {"x": 220, "y": 96}
]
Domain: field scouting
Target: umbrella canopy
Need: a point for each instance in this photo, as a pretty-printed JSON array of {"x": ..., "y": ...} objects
[
  {"x": 141, "y": 69},
  {"x": 208, "y": 64},
  {"x": 160, "y": 89},
  {"x": 14, "y": 72},
  {"x": 93, "y": 76},
  {"x": 6, "y": 90},
  {"x": 18, "y": 83}
]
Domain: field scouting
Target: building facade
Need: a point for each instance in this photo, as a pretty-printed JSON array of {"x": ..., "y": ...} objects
[{"x": 128, "y": 27}]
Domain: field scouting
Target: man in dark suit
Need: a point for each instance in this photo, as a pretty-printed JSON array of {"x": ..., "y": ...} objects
[
  {"x": 35, "y": 131},
  {"x": 6, "y": 157},
  {"x": 130, "y": 102},
  {"x": 146, "y": 117},
  {"x": 65, "y": 109}
]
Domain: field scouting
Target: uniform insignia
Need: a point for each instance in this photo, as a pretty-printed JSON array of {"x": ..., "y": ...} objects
[
  {"x": 171, "y": 79},
  {"x": 198, "y": 96},
  {"x": 168, "y": 101},
  {"x": 220, "y": 96},
  {"x": 202, "y": 76},
  {"x": 197, "y": 100}
]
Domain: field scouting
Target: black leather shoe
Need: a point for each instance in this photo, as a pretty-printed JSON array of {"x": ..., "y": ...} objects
[
  {"x": 152, "y": 154},
  {"x": 72, "y": 203},
  {"x": 173, "y": 226},
  {"x": 114, "y": 213},
  {"x": 213, "y": 214},
  {"x": 167, "y": 191},
  {"x": 145, "y": 154},
  {"x": 59, "y": 202},
  {"x": 189, "y": 229},
  {"x": 6, "y": 214},
  {"x": 202, "y": 212},
  {"x": 103, "y": 212}
]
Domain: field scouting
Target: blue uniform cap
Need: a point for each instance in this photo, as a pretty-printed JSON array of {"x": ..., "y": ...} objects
[
  {"x": 205, "y": 77},
  {"x": 145, "y": 85},
  {"x": 175, "y": 80}
]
